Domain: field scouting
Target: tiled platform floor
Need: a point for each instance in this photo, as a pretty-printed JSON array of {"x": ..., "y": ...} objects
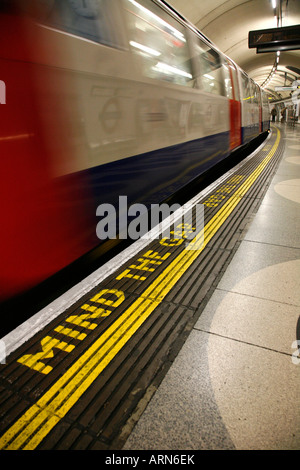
[{"x": 236, "y": 382}]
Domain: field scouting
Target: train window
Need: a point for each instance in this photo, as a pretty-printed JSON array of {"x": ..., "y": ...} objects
[
  {"x": 265, "y": 98},
  {"x": 246, "y": 88},
  {"x": 228, "y": 82},
  {"x": 91, "y": 19},
  {"x": 259, "y": 98},
  {"x": 211, "y": 76},
  {"x": 160, "y": 41},
  {"x": 234, "y": 78},
  {"x": 254, "y": 95}
]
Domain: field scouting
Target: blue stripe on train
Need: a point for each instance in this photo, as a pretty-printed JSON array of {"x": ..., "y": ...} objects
[
  {"x": 149, "y": 178},
  {"x": 154, "y": 176},
  {"x": 249, "y": 133}
]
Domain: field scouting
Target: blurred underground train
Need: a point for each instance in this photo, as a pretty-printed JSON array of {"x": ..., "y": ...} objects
[{"x": 100, "y": 99}]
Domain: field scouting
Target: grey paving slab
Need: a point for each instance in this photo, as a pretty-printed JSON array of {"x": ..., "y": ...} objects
[
  {"x": 276, "y": 224},
  {"x": 295, "y": 160},
  {"x": 283, "y": 192},
  {"x": 288, "y": 168},
  {"x": 289, "y": 190},
  {"x": 257, "y": 393},
  {"x": 294, "y": 147},
  {"x": 269, "y": 272},
  {"x": 223, "y": 394},
  {"x": 183, "y": 413},
  {"x": 260, "y": 322},
  {"x": 285, "y": 173}
]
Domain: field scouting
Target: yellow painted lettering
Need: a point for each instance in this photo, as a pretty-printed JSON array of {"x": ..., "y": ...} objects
[
  {"x": 97, "y": 312},
  {"x": 81, "y": 320},
  {"x": 236, "y": 179},
  {"x": 149, "y": 258},
  {"x": 210, "y": 204},
  {"x": 144, "y": 264},
  {"x": 154, "y": 255},
  {"x": 72, "y": 333},
  {"x": 171, "y": 241},
  {"x": 127, "y": 273},
  {"x": 183, "y": 230},
  {"x": 226, "y": 189},
  {"x": 113, "y": 303},
  {"x": 34, "y": 361}
]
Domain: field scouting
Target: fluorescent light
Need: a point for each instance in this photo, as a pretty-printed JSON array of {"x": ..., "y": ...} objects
[
  {"x": 208, "y": 76},
  {"x": 274, "y": 3},
  {"x": 145, "y": 48},
  {"x": 175, "y": 32},
  {"x": 162, "y": 67}
]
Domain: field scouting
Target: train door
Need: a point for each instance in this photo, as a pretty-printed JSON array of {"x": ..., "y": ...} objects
[
  {"x": 265, "y": 112},
  {"x": 234, "y": 106},
  {"x": 208, "y": 65},
  {"x": 259, "y": 96},
  {"x": 255, "y": 110}
]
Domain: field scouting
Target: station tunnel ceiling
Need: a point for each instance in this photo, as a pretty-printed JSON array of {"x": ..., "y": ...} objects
[{"x": 227, "y": 25}]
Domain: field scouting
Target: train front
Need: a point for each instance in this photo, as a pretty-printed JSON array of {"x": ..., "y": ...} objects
[{"x": 46, "y": 219}]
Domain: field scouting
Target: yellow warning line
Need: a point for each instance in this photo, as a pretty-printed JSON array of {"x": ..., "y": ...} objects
[{"x": 34, "y": 425}]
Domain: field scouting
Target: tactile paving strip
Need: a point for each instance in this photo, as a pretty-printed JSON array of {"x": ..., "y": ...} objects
[{"x": 83, "y": 381}]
